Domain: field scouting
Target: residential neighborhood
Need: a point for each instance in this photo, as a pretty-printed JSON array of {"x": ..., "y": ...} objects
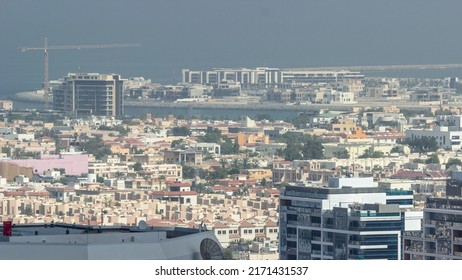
[{"x": 227, "y": 175}]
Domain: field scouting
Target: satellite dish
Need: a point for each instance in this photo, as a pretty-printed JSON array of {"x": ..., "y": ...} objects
[
  {"x": 142, "y": 225},
  {"x": 211, "y": 250}
]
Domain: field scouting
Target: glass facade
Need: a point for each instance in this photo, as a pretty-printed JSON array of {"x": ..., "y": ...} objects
[{"x": 309, "y": 232}]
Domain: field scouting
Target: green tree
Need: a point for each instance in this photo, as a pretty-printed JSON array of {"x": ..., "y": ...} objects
[
  {"x": 433, "y": 158},
  {"x": 299, "y": 146},
  {"x": 453, "y": 161},
  {"x": 181, "y": 131},
  {"x": 96, "y": 147},
  {"x": 342, "y": 154},
  {"x": 293, "y": 151},
  {"x": 246, "y": 163},
  {"x": 443, "y": 112},
  {"x": 122, "y": 130},
  {"x": 223, "y": 162},
  {"x": 104, "y": 127},
  {"x": 370, "y": 154},
  {"x": 200, "y": 188},
  {"x": 213, "y": 135},
  {"x": 397, "y": 149},
  {"x": 218, "y": 173},
  {"x": 263, "y": 182},
  {"x": 6, "y": 150},
  {"x": 422, "y": 144},
  {"x": 228, "y": 254},
  {"x": 137, "y": 166},
  {"x": 176, "y": 143},
  {"x": 161, "y": 179},
  {"x": 243, "y": 191},
  {"x": 228, "y": 147},
  {"x": 189, "y": 172}
]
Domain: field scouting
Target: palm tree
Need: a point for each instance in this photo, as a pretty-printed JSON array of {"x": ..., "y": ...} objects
[
  {"x": 245, "y": 163},
  {"x": 161, "y": 179},
  {"x": 236, "y": 163},
  {"x": 223, "y": 162}
]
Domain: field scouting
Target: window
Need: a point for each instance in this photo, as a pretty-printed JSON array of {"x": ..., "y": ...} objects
[{"x": 245, "y": 231}]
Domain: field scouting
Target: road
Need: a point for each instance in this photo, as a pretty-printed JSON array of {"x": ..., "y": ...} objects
[{"x": 384, "y": 67}]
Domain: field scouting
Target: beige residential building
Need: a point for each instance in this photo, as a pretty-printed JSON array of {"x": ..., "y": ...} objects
[
  {"x": 259, "y": 174},
  {"x": 247, "y": 230}
]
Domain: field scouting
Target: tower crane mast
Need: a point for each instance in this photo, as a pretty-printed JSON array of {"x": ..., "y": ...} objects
[{"x": 46, "y": 48}]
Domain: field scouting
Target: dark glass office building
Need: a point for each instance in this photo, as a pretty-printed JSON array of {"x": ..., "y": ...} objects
[{"x": 318, "y": 223}]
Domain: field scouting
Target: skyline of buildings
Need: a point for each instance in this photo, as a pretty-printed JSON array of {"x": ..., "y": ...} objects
[{"x": 349, "y": 183}]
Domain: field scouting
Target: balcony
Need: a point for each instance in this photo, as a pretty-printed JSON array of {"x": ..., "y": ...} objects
[
  {"x": 430, "y": 236},
  {"x": 317, "y": 238},
  {"x": 430, "y": 251},
  {"x": 412, "y": 234},
  {"x": 292, "y": 251},
  {"x": 291, "y": 236},
  {"x": 414, "y": 248},
  {"x": 316, "y": 252}
]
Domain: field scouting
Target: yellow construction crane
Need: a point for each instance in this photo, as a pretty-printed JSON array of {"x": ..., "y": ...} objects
[{"x": 46, "y": 48}]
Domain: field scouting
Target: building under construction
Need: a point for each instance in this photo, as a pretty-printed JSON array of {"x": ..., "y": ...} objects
[{"x": 89, "y": 94}]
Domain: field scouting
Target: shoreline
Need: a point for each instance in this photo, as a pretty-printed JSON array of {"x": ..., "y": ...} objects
[{"x": 34, "y": 97}]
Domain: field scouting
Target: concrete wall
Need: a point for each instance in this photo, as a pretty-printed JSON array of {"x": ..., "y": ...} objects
[
  {"x": 342, "y": 200},
  {"x": 337, "y": 182}
]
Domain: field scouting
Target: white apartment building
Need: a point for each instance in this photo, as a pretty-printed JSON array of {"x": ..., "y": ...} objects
[
  {"x": 210, "y": 148},
  {"x": 267, "y": 76},
  {"x": 447, "y": 132}
]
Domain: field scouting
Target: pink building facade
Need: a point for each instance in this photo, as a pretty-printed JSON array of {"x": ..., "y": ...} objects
[{"x": 72, "y": 164}]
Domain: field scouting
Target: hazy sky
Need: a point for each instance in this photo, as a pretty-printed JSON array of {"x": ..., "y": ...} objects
[{"x": 201, "y": 34}]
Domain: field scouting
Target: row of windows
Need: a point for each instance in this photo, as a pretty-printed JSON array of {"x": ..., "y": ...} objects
[{"x": 246, "y": 231}]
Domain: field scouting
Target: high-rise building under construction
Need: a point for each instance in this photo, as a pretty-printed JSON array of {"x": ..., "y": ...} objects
[{"x": 89, "y": 94}]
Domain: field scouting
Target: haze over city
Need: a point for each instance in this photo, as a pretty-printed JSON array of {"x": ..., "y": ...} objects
[
  {"x": 204, "y": 34},
  {"x": 231, "y": 130}
]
